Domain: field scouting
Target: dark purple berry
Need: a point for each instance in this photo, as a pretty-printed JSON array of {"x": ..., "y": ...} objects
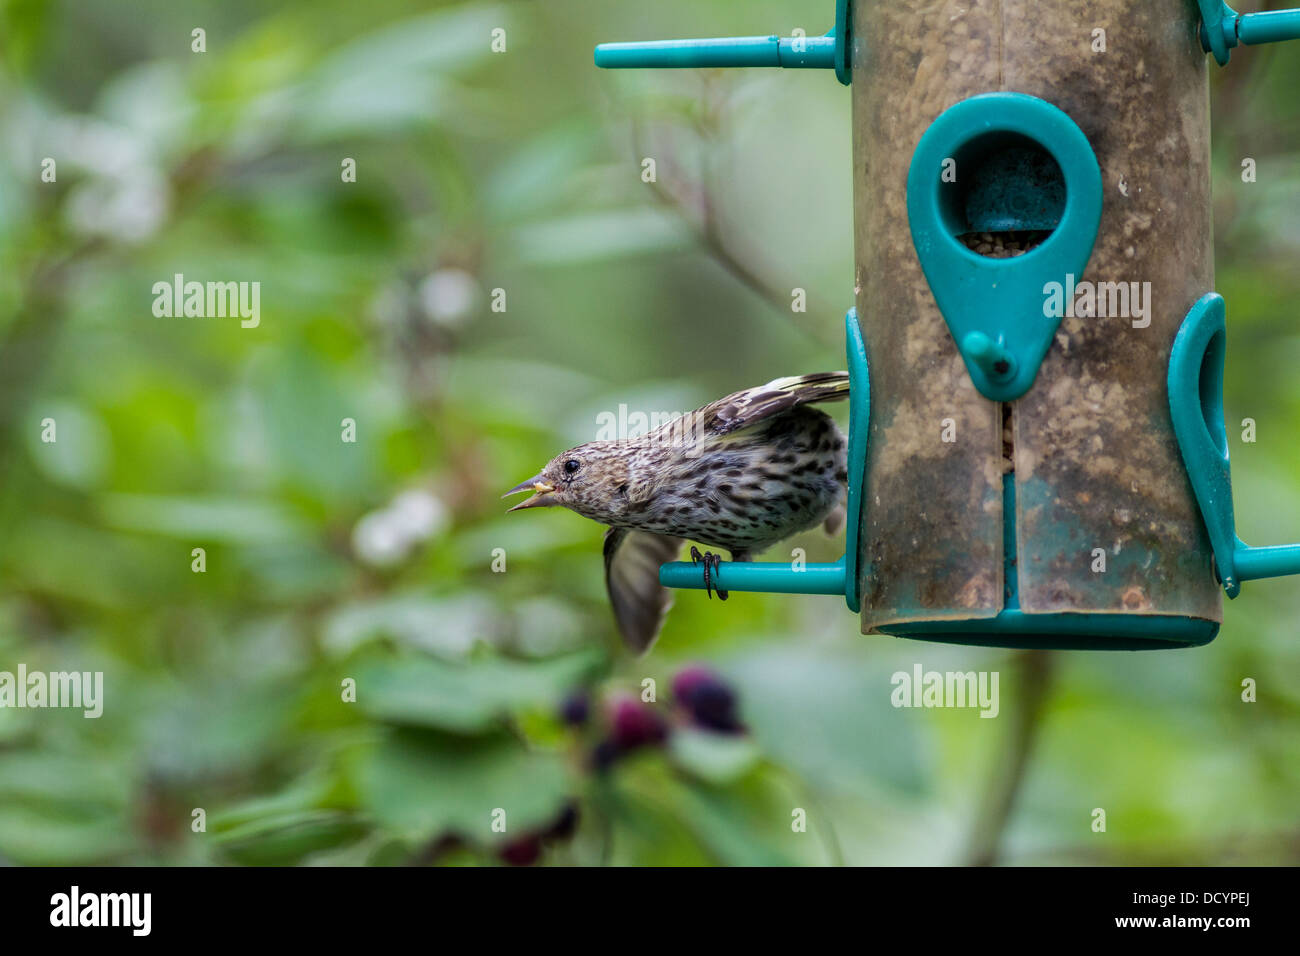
[
  {"x": 565, "y": 825},
  {"x": 575, "y": 709},
  {"x": 688, "y": 679},
  {"x": 522, "y": 852},
  {"x": 604, "y": 755},
  {"x": 714, "y": 707},
  {"x": 635, "y": 724},
  {"x": 710, "y": 702}
]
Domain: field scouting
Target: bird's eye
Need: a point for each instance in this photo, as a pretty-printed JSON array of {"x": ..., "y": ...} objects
[{"x": 572, "y": 465}]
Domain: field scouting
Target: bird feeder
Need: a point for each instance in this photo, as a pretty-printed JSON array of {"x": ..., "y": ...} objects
[{"x": 1037, "y": 451}]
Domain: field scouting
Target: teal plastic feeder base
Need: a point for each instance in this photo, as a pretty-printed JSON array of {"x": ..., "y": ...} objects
[
  {"x": 1061, "y": 631},
  {"x": 1065, "y": 632}
]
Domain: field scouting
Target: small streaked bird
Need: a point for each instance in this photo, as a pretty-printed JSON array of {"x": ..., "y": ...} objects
[{"x": 741, "y": 473}]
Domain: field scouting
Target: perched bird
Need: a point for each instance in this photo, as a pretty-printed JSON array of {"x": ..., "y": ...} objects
[{"x": 741, "y": 473}]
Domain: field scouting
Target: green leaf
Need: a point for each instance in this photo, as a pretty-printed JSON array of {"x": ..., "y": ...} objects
[
  {"x": 715, "y": 758},
  {"x": 36, "y": 837},
  {"x": 280, "y": 839},
  {"x": 206, "y": 517},
  {"x": 464, "y": 697},
  {"x": 825, "y": 713},
  {"x": 448, "y": 626},
  {"x": 81, "y": 455},
  {"x": 74, "y": 782},
  {"x": 593, "y": 236},
  {"x": 422, "y": 784},
  {"x": 397, "y": 75},
  {"x": 733, "y": 832}
]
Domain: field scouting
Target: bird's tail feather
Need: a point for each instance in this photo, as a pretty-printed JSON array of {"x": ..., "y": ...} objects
[
  {"x": 815, "y": 387},
  {"x": 752, "y": 405}
]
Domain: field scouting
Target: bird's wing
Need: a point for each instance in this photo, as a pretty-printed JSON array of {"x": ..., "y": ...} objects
[
  {"x": 632, "y": 560},
  {"x": 742, "y": 409}
]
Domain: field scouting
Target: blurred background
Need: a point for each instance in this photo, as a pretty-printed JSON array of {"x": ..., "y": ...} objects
[{"x": 487, "y": 671}]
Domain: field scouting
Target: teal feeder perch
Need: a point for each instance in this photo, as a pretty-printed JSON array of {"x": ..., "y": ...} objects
[{"x": 1037, "y": 452}]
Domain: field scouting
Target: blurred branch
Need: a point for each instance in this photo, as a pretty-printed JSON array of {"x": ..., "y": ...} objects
[
  {"x": 30, "y": 338},
  {"x": 1033, "y": 672},
  {"x": 703, "y": 221},
  {"x": 25, "y": 352}
]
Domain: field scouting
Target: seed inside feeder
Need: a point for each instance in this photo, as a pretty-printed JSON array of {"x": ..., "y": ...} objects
[{"x": 1004, "y": 245}]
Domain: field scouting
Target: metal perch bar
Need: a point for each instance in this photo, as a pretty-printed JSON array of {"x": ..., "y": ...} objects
[
  {"x": 1266, "y": 561},
  {"x": 789, "y": 52},
  {"x": 776, "y": 577}
]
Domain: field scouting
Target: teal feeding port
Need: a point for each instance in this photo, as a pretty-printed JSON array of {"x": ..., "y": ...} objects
[
  {"x": 1000, "y": 162},
  {"x": 1037, "y": 453},
  {"x": 1196, "y": 405}
]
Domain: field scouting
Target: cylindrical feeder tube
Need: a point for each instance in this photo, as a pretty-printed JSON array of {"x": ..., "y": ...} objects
[{"x": 1104, "y": 518}]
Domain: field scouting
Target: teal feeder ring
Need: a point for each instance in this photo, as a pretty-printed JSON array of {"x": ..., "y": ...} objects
[
  {"x": 1223, "y": 28},
  {"x": 782, "y": 577},
  {"x": 964, "y": 175},
  {"x": 1218, "y": 29},
  {"x": 1196, "y": 406},
  {"x": 829, "y": 52},
  {"x": 843, "y": 33}
]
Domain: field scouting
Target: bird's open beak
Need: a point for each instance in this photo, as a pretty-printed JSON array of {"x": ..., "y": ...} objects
[{"x": 535, "y": 484}]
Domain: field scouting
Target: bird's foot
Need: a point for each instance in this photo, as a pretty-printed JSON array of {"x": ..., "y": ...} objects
[{"x": 711, "y": 562}]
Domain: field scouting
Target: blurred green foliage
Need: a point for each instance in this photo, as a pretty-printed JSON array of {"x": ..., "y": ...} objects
[{"x": 328, "y": 560}]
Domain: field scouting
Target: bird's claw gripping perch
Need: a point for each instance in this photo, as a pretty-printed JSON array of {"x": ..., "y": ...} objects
[{"x": 711, "y": 562}]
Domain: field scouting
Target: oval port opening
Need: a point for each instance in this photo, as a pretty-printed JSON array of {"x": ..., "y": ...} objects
[
  {"x": 1210, "y": 388},
  {"x": 1005, "y": 194}
]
